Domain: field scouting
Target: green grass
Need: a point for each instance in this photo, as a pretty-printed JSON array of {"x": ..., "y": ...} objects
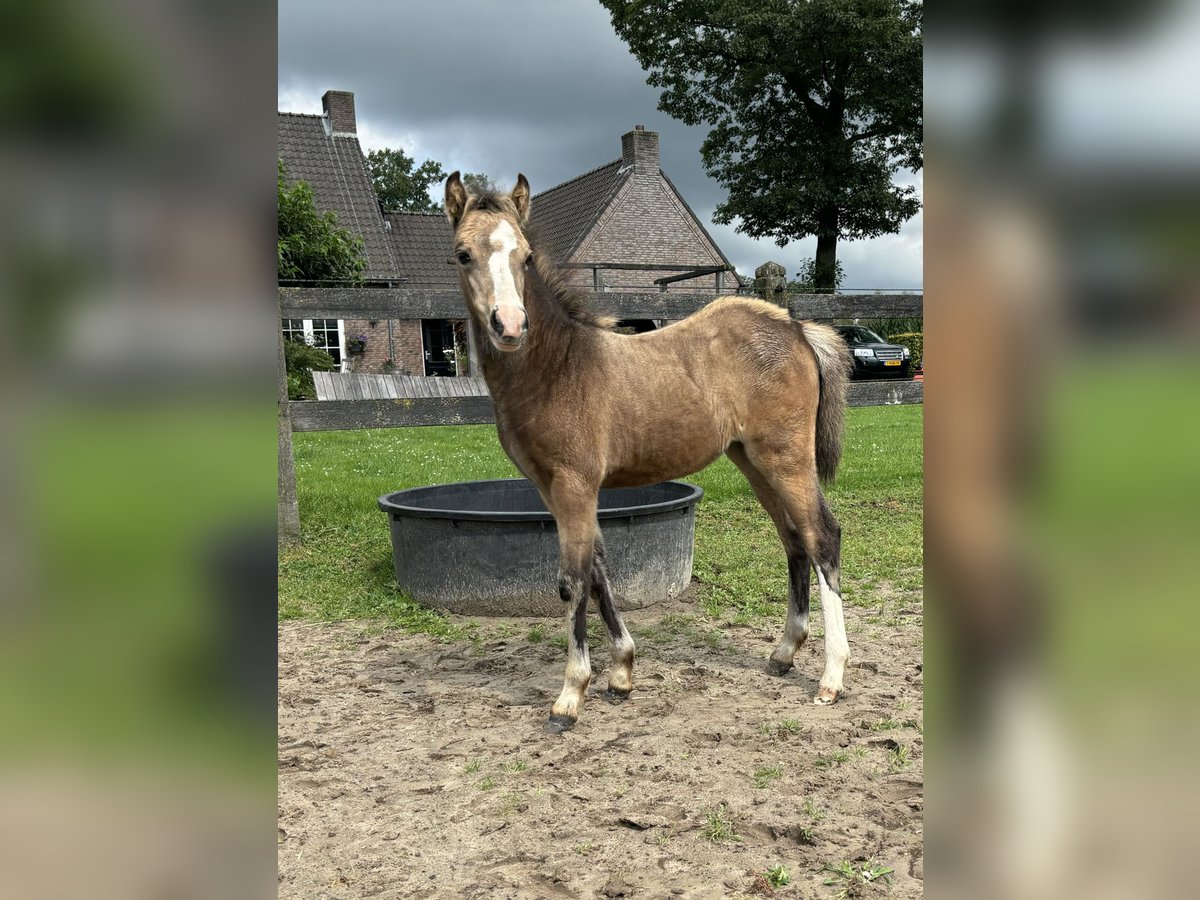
[
  {"x": 763, "y": 777},
  {"x": 343, "y": 569},
  {"x": 718, "y": 826}
]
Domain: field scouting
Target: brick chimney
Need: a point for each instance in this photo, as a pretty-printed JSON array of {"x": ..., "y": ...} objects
[
  {"x": 639, "y": 148},
  {"x": 339, "y": 107}
]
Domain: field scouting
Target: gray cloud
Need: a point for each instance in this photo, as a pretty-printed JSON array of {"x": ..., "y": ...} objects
[{"x": 536, "y": 86}]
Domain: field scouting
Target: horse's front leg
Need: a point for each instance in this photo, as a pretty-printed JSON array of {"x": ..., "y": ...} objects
[
  {"x": 620, "y": 675},
  {"x": 574, "y": 512}
]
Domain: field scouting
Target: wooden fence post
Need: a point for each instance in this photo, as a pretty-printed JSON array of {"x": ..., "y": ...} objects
[{"x": 289, "y": 507}]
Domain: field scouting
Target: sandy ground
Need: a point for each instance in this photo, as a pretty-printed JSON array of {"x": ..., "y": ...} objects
[{"x": 412, "y": 768}]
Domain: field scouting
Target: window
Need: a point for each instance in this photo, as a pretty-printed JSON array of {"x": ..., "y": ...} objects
[{"x": 328, "y": 334}]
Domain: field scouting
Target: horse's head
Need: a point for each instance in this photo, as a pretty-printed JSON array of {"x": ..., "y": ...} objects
[{"x": 493, "y": 258}]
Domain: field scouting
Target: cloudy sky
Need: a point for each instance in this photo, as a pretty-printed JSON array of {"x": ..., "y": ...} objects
[{"x": 542, "y": 87}]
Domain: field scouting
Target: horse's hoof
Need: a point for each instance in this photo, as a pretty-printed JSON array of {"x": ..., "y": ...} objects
[
  {"x": 825, "y": 696},
  {"x": 613, "y": 696},
  {"x": 775, "y": 667},
  {"x": 558, "y": 724}
]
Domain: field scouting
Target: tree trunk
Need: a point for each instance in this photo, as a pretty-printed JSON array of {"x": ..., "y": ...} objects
[{"x": 825, "y": 274}]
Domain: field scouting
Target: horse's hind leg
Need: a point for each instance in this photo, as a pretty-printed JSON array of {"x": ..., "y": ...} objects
[
  {"x": 795, "y": 631},
  {"x": 620, "y": 676},
  {"x": 794, "y": 477}
]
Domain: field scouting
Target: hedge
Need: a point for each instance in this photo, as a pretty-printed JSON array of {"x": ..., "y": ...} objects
[{"x": 914, "y": 341}]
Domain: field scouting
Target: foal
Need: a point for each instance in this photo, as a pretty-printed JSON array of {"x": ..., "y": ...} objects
[{"x": 579, "y": 407}]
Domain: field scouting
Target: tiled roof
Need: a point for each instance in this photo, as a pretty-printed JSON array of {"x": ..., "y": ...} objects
[
  {"x": 563, "y": 214},
  {"x": 337, "y": 171},
  {"x": 421, "y": 243}
]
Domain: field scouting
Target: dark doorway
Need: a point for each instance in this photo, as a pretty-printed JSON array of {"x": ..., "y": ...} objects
[{"x": 437, "y": 336}]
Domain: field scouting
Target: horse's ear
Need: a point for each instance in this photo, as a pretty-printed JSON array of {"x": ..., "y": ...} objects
[
  {"x": 456, "y": 198},
  {"x": 520, "y": 198}
]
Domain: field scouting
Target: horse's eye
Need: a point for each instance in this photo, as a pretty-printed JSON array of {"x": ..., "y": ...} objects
[
  {"x": 529, "y": 260},
  {"x": 463, "y": 257}
]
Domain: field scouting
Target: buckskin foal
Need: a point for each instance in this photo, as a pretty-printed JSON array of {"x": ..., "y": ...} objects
[{"x": 579, "y": 407}]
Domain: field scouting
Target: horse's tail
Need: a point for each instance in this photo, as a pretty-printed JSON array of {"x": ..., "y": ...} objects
[{"x": 833, "y": 363}]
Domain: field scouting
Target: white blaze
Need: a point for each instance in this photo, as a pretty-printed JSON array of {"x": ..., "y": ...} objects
[{"x": 509, "y": 308}]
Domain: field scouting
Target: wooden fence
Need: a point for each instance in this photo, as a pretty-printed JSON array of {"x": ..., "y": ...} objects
[{"x": 394, "y": 401}]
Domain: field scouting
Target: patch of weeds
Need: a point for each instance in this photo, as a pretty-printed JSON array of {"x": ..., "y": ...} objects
[
  {"x": 898, "y": 759},
  {"x": 650, "y": 634},
  {"x": 783, "y": 726},
  {"x": 678, "y": 621},
  {"x": 885, "y": 725},
  {"x": 585, "y": 848},
  {"x": 559, "y": 641},
  {"x": 511, "y": 801},
  {"x": 711, "y": 603},
  {"x": 755, "y": 610},
  {"x": 815, "y": 813},
  {"x": 718, "y": 826},
  {"x": 766, "y": 775},
  {"x": 851, "y": 878},
  {"x": 473, "y": 766},
  {"x": 664, "y": 835},
  {"x": 829, "y": 760},
  {"x": 716, "y": 640},
  {"x": 778, "y": 876},
  {"x": 487, "y": 783},
  {"x": 537, "y": 634},
  {"x": 517, "y": 765}
]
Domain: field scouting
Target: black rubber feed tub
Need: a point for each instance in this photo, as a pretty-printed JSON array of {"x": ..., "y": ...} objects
[{"x": 490, "y": 548}]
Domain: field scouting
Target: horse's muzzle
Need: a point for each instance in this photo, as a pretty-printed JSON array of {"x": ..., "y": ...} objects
[{"x": 509, "y": 324}]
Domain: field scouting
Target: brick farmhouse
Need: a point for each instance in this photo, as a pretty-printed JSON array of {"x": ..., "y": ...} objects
[{"x": 622, "y": 226}]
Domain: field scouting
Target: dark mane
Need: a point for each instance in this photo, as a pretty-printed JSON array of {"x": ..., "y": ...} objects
[
  {"x": 577, "y": 307},
  {"x": 491, "y": 201}
]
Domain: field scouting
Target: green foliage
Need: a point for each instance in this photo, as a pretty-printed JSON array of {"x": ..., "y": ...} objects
[
  {"x": 476, "y": 182},
  {"x": 813, "y": 107},
  {"x": 301, "y": 361},
  {"x": 311, "y": 245},
  {"x": 853, "y": 879},
  {"x": 765, "y": 775},
  {"x": 718, "y": 826},
  {"x": 778, "y": 876},
  {"x": 400, "y": 183},
  {"x": 810, "y": 277},
  {"x": 890, "y": 327},
  {"x": 914, "y": 341}
]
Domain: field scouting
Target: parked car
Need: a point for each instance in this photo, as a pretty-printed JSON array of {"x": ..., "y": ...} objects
[{"x": 873, "y": 356}]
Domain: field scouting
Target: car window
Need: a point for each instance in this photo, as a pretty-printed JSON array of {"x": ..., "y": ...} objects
[{"x": 856, "y": 334}]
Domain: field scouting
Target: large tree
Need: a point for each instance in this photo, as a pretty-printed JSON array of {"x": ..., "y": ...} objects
[
  {"x": 815, "y": 105},
  {"x": 400, "y": 183},
  {"x": 311, "y": 246}
]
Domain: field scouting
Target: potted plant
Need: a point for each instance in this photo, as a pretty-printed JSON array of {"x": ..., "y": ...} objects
[{"x": 356, "y": 344}]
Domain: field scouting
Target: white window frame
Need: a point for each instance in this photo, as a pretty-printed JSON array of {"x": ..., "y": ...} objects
[{"x": 310, "y": 338}]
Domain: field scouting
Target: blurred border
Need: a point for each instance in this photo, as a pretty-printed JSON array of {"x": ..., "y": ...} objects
[
  {"x": 137, "y": 651},
  {"x": 1062, "y": 330}
]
